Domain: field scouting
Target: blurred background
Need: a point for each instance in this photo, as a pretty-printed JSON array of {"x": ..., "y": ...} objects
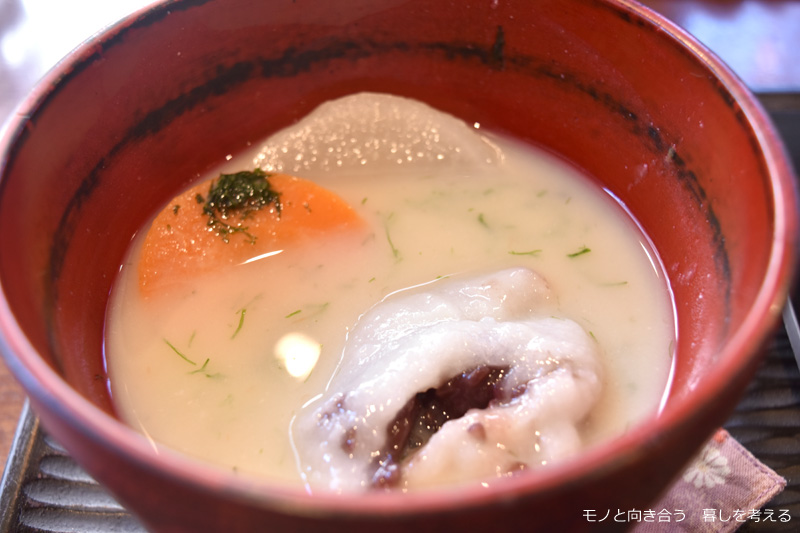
[
  {"x": 36, "y": 34},
  {"x": 758, "y": 39}
]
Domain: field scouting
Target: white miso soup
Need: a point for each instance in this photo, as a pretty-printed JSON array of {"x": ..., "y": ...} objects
[{"x": 224, "y": 362}]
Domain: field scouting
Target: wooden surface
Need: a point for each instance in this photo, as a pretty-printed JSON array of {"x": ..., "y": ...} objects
[
  {"x": 758, "y": 39},
  {"x": 11, "y": 400}
]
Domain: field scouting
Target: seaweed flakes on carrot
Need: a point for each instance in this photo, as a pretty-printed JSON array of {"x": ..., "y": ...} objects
[{"x": 227, "y": 220}]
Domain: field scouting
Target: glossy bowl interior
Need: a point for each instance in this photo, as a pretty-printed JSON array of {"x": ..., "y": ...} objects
[{"x": 133, "y": 116}]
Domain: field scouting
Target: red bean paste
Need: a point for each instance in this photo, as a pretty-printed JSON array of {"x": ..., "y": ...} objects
[{"x": 425, "y": 413}]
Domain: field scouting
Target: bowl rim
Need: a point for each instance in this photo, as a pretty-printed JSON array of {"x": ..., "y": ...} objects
[{"x": 47, "y": 387}]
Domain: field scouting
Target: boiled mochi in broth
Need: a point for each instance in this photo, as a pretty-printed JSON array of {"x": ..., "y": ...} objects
[{"x": 546, "y": 378}]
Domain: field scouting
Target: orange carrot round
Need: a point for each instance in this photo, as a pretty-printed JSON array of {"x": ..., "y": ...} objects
[{"x": 189, "y": 238}]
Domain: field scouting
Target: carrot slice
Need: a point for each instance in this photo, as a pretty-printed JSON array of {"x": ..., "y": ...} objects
[{"x": 181, "y": 243}]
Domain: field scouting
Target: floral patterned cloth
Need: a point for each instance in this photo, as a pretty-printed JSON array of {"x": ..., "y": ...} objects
[{"x": 722, "y": 489}]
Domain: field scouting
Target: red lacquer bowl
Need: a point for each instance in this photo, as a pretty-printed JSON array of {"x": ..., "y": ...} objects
[{"x": 137, "y": 113}]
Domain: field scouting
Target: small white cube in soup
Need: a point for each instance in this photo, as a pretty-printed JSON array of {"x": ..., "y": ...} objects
[{"x": 393, "y": 257}]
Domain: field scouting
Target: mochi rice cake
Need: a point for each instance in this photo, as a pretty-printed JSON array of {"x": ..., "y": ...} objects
[{"x": 383, "y": 297}]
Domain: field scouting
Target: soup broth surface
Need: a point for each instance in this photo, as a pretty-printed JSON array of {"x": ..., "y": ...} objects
[{"x": 219, "y": 365}]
